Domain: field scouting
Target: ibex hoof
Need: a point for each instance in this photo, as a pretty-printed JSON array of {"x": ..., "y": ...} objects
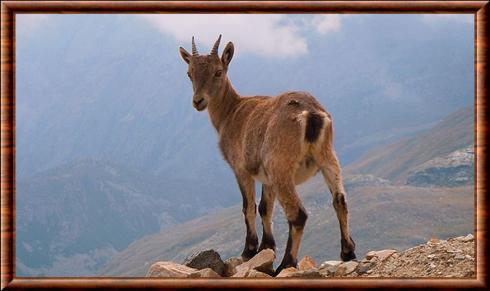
[
  {"x": 349, "y": 256},
  {"x": 347, "y": 251},
  {"x": 247, "y": 254},
  {"x": 286, "y": 263}
]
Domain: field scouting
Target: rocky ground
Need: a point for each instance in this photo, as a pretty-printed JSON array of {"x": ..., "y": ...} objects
[{"x": 452, "y": 258}]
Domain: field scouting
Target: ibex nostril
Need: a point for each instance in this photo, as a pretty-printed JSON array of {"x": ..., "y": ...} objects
[{"x": 196, "y": 103}]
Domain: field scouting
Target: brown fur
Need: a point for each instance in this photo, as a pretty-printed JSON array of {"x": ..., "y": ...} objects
[{"x": 281, "y": 141}]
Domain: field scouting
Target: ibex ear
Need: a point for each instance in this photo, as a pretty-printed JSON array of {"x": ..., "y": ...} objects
[
  {"x": 185, "y": 55},
  {"x": 227, "y": 54}
]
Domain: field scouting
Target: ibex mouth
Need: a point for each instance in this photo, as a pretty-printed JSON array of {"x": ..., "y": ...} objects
[{"x": 200, "y": 105}]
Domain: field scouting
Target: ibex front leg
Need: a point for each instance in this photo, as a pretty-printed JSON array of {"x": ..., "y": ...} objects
[
  {"x": 296, "y": 216},
  {"x": 333, "y": 177},
  {"x": 266, "y": 207},
  {"x": 247, "y": 188}
]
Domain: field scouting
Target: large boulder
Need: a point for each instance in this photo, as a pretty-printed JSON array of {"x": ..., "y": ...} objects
[
  {"x": 261, "y": 262},
  {"x": 169, "y": 270},
  {"x": 206, "y": 259}
]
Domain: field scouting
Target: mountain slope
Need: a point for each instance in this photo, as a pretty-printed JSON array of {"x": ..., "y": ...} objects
[
  {"x": 378, "y": 218},
  {"x": 394, "y": 162},
  {"x": 91, "y": 208}
]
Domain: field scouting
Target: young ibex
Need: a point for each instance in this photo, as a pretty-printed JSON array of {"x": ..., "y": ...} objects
[{"x": 280, "y": 141}]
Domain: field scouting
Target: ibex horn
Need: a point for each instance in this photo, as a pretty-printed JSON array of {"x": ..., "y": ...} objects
[
  {"x": 214, "y": 51},
  {"x": 194, "y": 49}
]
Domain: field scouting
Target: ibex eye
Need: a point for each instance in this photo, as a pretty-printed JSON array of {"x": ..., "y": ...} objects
[{"x": 218, "y": 73}]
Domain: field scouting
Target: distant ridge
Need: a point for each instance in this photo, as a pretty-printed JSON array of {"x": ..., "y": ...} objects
[{"x": 395, "y": 161}]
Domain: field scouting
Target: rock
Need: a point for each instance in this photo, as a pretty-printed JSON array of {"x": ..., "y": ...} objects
[
  {"x": 328, "y": 268},
  {"x": 287, "y": 272},
  {"x": 433, "y": 241},
  {"x": 169, "y": 270},
  {"x": 459, "y": 257},
  {"x": 260, "y": 262},
  {"x": 307, "y": 263},
  {"x": 346, "y": 268},
  {"x": 311, "y": 273},
  {"x": 206, "y": 259},
  {"x": 469, "y": 257},
  {"x": 330, "y": 263},
  {"x": 205, "y": 273},
  {"x": 364, "y": 267},
  {"x": 256, "y": 274},
  {"x": 295, "y": 273},
  {"x": 231, "y": 264},
  {"x": 431, "y": 256},
  {"x": 468, "y": 238},
  {"x": 380, "y": 255},
  {"x": 241, "y": 273}
]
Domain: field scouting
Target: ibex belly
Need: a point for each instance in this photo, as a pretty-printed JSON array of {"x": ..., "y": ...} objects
[{"x": 307, "y": 169}]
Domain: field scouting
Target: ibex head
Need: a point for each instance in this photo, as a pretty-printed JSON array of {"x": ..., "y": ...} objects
[{"x": 207, "y": 72}]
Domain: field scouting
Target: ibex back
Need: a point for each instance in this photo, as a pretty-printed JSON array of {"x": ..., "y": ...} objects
[{"x": 280, "y": 141}]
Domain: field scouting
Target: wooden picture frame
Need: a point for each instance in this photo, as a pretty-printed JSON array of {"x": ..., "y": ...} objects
[{"x": 480, "y": 9}]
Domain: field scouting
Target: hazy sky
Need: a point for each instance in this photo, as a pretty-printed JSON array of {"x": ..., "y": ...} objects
[{"x": 272, "y": 35}]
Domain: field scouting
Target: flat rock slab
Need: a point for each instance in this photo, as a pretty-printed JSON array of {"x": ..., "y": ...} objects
[
  {"x": 313, "y": 273},
  {"x": 380, "y": 255},
  {"x": 169, "y": 270},
  {"x": 257, "y": 274},
  {"x": 260, "y": 262},
  {"x": 206, "y": 259},
  {"x": 205, "y": 273}
]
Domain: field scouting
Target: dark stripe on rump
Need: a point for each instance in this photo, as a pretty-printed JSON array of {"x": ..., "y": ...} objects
[{"x": 314, "y": 125}]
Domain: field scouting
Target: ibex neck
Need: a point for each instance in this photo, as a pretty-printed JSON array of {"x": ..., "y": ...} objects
[{"x": 223, "y": 106}]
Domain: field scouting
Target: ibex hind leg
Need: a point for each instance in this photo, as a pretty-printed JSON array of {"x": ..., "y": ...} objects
[{"x": 333, "y": 177}]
